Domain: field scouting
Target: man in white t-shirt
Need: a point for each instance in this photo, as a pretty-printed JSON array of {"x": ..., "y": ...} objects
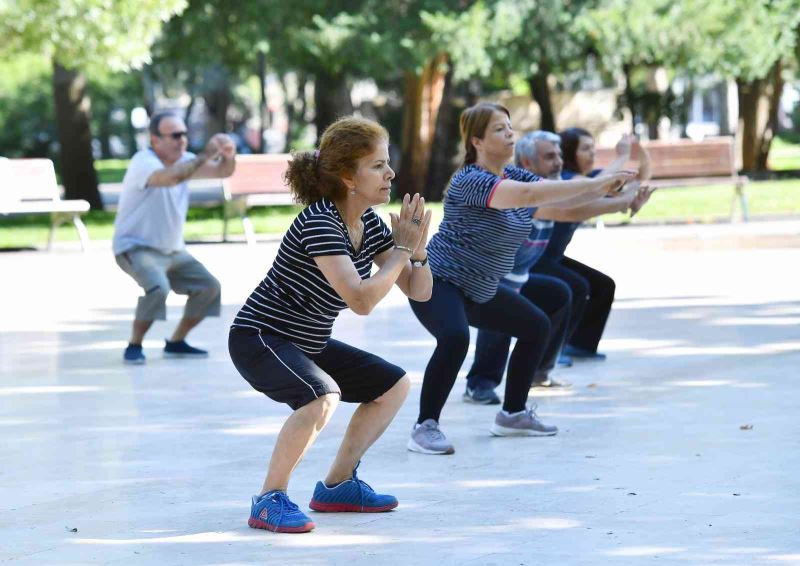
[{"x": 148, "y": 232}]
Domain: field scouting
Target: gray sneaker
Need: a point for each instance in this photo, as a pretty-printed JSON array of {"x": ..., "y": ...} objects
[
  {"x": 426, "y": 438},
  {"x": 523, "y": 423}
]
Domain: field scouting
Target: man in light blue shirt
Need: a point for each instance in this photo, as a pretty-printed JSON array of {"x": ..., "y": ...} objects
[{"x": 148, "y": 232}]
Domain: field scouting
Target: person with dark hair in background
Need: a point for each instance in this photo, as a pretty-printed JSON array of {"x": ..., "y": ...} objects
[
  {"x": 281, "y": 341},
  {"x": 148, "y": 232},
  {"x": 486, "y": 217},
  {"x": 539, "y": 152},
  {"x": 592, "y": 290}
]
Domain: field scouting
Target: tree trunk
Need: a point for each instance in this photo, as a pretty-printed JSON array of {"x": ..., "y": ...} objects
[
  {"x": 774, "y": 90},
  {"x": 262, "y": 106},
  {"x": 758, "y": 117},
  {"x": 422, "y": 99},
  {"x": 331, "y": 100},
  {"x": 540, "y": 91},
  {"x": 630, "y": 96},
  {"x": 445, "y": 142},
  {"x": 74, "y": 136}
]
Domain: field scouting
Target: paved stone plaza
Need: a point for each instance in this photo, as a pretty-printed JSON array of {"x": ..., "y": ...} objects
[{"x": 682, "y": 448}]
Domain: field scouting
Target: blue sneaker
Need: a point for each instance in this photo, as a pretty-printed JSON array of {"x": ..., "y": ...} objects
[
  {"x": 564, "y": 361},
  {"x": 133, "y": 355},
  {"x": 180, "y": 349},
  {"x": 350, "y": 495},
  {"x": 275, "y": 512}
]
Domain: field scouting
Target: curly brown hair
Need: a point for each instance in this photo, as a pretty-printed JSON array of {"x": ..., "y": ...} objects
[{"x": 313, "y": 175}]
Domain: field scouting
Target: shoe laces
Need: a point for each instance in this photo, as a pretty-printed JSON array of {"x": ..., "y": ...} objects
[
  {"x": 434, "y": 432},
  {"x": 287, "y": 506},
  {"x": 530, "y": 412},
  {"x": 363, "y": 487}
]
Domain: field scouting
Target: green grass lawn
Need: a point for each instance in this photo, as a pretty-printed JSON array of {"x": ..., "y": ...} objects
[
  {"x": 696, "y": 204},
  {"x": 784, "y": 155}
]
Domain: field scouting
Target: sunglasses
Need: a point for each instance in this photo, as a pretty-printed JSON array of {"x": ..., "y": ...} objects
[{"x": 173, "y": 135}]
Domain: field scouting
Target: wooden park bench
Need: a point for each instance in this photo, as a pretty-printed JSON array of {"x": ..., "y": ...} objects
[
  {"x": 687, "y": 163},
  {"x": 29, "y": 186},
  {"x": 257, "y": 181}
]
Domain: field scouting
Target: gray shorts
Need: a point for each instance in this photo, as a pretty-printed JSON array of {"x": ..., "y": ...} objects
[{"x": 157, "y": 273}]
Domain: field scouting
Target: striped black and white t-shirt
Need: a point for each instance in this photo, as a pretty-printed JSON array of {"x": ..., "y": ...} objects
[
  {"x": 475, "y": 245},
  {"x": 295, "y": 300}
]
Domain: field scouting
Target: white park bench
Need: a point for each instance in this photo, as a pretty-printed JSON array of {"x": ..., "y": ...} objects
[{"x": 29, "y": 186}]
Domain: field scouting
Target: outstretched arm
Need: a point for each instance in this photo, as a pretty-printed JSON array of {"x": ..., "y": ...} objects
[{"x": 217, "y": 160}]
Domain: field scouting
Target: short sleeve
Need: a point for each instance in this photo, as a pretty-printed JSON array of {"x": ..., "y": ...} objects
[
  {"x": 473, "y": 186},
  {"x": 522, "y": 175},
  {"x": 142, "y": 166},
  {"x": 320, "y": 236},
  {"x": 386, "y": 238}
]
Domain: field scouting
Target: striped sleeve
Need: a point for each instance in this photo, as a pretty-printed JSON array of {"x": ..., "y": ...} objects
[
  {"x": 473, "y": 186},
  {"x": 387, "y": 240},
  {"x": 320, "y": 236},
  {"x": 520, "y": 174}
]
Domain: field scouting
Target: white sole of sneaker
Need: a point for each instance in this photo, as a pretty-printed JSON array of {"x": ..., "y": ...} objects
[
  {"x": 133, "y": 362},
  {"x": 498, "y": 430},
  {"x": 186, "y": 356},
  {"x": 414, "y": 447}
]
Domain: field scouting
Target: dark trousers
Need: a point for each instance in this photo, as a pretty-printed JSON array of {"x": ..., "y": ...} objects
[
  {"x": 448, "y": 316},
  {"x": 553, "y": 298},
  {"x": 592, "y": 296}
]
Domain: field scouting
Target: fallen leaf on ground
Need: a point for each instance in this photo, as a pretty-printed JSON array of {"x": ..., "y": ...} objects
[
  {"x": 746, "y": 427},
  {"x": 72, "y": 530}
]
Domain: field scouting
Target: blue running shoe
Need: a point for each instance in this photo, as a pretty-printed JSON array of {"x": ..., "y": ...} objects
[
  {"x": 275, "y": 512},
  {"x": 180, "y": 349},
  {"x": 133, "y": 354},
  {"x": 350, "y": 495}
]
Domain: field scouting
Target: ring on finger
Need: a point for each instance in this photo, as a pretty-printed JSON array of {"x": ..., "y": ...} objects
[{"x": 416, "y": 221}]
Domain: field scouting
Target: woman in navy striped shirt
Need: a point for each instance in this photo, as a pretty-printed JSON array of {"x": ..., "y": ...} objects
[
  {"x": 280, "y": 340},
  {"x": 487, "y": 214}
]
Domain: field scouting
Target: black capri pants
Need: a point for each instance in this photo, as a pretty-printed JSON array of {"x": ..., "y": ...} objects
[{"x": 284, "y": 373}]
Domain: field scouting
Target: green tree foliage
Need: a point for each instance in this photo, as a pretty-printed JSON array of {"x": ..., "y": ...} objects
[
  {"x": 745, "y": 40},
  {"x": 114, "y": 34},
  {"x": 77, "y": 36}
]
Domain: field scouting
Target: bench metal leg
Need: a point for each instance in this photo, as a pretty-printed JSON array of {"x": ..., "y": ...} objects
[
  {"x": 56, "y": 220},
  {"x": 249, "y": 232},
  {"x": 741, "y": 196},
  {"x": 83, "y": 234}
]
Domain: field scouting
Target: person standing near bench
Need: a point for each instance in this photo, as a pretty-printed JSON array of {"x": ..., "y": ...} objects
[
  {"x": 148, "y": 232},
  {"x": 592, "y": 290},
  {"x": 486, "y": 217},
  {"x": 280, "y": 341}
]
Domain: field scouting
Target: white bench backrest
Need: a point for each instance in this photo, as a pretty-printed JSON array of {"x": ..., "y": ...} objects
[{"x": 28, "y": 179}]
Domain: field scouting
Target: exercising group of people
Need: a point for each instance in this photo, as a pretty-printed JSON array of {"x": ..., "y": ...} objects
[{"x": 496, "y": 263}]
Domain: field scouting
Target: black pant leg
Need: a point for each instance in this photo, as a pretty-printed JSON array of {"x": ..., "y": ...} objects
[
  {"x": 512, "y": 314},
  {"x": 554, "y": 297},
  {"x": 578, "y": 285},
  {"x": 589, "y": 330},
  {"x": 445, "y": 318}
]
